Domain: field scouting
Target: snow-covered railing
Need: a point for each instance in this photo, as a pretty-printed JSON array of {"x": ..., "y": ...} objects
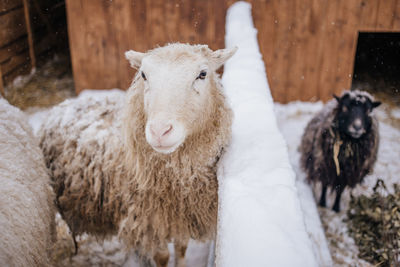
[{"x": 260, "y": 218}]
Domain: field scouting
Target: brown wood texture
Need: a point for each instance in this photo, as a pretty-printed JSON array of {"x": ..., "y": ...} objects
[
  {"x": 19, "y": 47},
  {"x": 1, "y": 83},
  {"x": 14, "y": 45},
  {"x": 8, "y": 5},
  {"x": 12, "y": 26},
  {"x": 30, "y": 34},
  {"x": 308, "y": 45},
  {"x": 98, "y": 42}
]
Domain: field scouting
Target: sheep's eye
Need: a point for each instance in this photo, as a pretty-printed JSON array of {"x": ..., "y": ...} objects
[
  {"x": 344, "y": 109},
  {"x": 144, "y": 76},
  {"x": 202, "y": 75}
]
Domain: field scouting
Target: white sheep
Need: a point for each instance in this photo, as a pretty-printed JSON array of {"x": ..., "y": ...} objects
[
  {"x": 144, "y": 167},
  {"x": 27, "y": 222}
]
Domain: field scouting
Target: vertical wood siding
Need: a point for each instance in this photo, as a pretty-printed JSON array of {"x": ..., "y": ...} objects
[{"x": 308, "y": 45}]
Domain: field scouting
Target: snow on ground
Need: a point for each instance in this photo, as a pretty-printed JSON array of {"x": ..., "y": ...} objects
[
  {"x": 260, "y": 218},
  {"x": 292, "y": 119}
]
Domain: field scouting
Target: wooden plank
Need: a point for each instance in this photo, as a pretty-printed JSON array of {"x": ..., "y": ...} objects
[
  {"x": 22, "y": 69},
  {"x": 1, "y": 83},
  {"x": 294, "y": 73},
  {"x": 349, "y": 18},
  {"x": 396, "y": 21},
  {"x": 217, "y": 33},
  {"x": 300, "y": 31},
  {"x": 123, "y": 9},
  {"x": 328, "y": 35},
  {"x": 6, "y": 52},
  {"x": 210, "y": 32},
  {"x": 87, "y": 35},
  {"x": 369, "y": 14},
  {"x": 136, "y": 10},
  {"x": 275, "y": 55},
  {"x": 140, "y": 42},
  {"x": 30, "y": 34},
  {"x": 198, "y": 22},
  {"x": 334, "y": 75},
  {"x": 12, "y": 26},
  {"x": 7, "y": 5},
  {"x": 155, "y": 22},
  {"x": 386, "y": 15},
  {"x": 263, "y": 17},
  {"x": 76, "y": 25},
  {"x": 14, "y": 62},
  {"x": 186, "y": 34},
  {"x": 102, "y": 44},
  {"x": 313, "y": 51},
  {"x": 110, "y": 57}
]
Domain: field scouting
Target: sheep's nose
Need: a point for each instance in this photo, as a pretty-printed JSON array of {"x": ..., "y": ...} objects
[
  {"x": 160, "y": 130},
  {"x": 357, "y": 124}
]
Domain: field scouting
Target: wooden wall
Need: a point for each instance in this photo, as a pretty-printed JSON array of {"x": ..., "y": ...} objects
[
  {"x": 14, "y": 48},
  {"x": 310, "y": 48},
  {"x": 308, "y": 45},
  {"x": 45, "y": 17},
  {"x": 101, "y": 31}
]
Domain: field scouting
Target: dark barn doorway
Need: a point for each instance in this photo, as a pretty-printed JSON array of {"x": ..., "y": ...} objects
[{"x": 377, "y": 64}]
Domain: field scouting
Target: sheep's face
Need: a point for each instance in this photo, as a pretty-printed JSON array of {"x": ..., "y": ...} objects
[
  {"x": 177, "y": 82},
  {"x": 353, "y": 116}
]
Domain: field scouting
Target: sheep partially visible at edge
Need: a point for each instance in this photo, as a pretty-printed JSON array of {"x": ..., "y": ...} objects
[
  {"x": 27, "y": 222},
  {"x": 145, "y": 161},
  {"x": 340, "y": 144}
]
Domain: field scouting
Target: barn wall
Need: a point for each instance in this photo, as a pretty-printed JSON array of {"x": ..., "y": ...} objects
[
  {"x": 14, "y": 46},
  {"x": 101, "y": 31},
  {"x": 308, "y": 45}
]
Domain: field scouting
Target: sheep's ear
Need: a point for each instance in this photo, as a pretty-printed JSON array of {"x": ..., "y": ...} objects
[
  {"x": 336, "y": 97},
  {"x": 134, "y": 58},
  {"x": 219, "y": 57},
  {"x": 376, "y": 104}
]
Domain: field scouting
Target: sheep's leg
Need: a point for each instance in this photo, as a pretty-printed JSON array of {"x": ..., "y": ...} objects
[
  {"x": 162, "y": 257},
  {"x": 76, "y": 246},
  {"x": 180, "y": 250},
  {"x": 339, "y": 191},
  {"x": 322, "y": 200}
]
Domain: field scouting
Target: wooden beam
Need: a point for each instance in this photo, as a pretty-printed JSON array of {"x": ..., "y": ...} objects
[
  {"x": 30, "y": 34},
  {"x": 1, "y": 83}
]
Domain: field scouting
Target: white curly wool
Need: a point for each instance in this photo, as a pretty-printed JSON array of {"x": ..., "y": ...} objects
[
  {"x": 26, "y": 199},
  {"x": 260, "y": 218}
]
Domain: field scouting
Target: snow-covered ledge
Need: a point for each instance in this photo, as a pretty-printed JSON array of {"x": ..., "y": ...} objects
[{"x": 261, "y": 222}]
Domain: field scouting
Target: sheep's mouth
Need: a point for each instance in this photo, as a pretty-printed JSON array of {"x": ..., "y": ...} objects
[
  {"x": 166, "y": 149},
  {"x": 356, "y": 134}
]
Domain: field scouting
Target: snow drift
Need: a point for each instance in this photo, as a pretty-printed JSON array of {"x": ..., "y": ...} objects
[{"x": 260, "y": 217}]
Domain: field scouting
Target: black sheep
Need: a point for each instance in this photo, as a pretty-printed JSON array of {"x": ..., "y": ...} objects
[{"x": 340, "y": 144}]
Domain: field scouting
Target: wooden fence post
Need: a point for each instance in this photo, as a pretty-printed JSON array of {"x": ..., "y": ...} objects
[
  {"x": 2, "y": 92},
  {"x": 30, "y": 34}
]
